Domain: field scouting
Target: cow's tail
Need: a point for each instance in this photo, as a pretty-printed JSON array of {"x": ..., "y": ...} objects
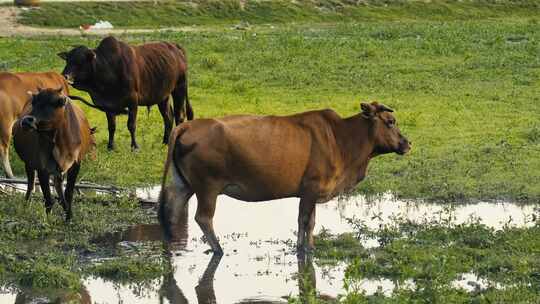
[
  {"x": 171, "y": 166},
  {"x": 189, "y": 110}
]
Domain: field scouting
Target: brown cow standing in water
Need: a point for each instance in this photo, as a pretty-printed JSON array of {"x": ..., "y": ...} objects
[
  {"x": 314, "y": 156},
  {"x": 119, "y": 77},
  {"x": 14, "y": 98},
  {"x": 52, "y": 139}
]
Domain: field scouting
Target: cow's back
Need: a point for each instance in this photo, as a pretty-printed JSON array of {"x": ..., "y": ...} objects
[{"x": 148, "y": 72}]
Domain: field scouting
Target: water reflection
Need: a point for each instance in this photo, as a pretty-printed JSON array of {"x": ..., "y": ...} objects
[{"x": 206, "y": 293}]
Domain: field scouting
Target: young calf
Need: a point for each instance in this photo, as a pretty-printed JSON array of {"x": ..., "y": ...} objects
[
  {"x": 314, "y": 156},
  {"x": 52, "y": 139}
]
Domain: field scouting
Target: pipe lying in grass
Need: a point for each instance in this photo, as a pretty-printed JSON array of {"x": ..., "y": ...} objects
[{"x": 85, "y": 186}]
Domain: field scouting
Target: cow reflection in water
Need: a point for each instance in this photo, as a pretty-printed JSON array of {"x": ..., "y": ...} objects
[
  {"x": 205, "y": 289},
  {"x": 177, "y": 240}
]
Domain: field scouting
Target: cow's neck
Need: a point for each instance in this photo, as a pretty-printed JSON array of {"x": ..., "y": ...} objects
[{"x": 356, "y": 143}]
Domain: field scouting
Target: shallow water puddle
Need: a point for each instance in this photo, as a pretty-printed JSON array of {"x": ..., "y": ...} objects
[{"x": 259, "y": 265}]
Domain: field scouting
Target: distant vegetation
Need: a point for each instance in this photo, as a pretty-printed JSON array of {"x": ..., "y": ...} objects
[{"x": 155, "y": 14}]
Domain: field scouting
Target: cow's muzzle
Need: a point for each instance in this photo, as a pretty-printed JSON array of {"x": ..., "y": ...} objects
[
  {"x": 29, "y": 122},
  {"x": 404, "y": 146}
]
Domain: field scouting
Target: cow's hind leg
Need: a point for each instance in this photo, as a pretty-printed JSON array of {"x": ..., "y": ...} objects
[
  {"x": 181, "y": 105},
  {"x": 306, "y": 222},
  {"x": 111, "y": 124},
  {"x": 165, "y": 110},
  {"x": 206, "y": 207},
  {"x": 43, "y": 177},
  {"x": 132, "y": 127}
]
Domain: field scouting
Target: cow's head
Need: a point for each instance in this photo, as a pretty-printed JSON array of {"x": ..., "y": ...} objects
[
  {"x": 384, "y": 129},
  {"x": 47, "y": 110},
  {"x": 80, "y": 65}
]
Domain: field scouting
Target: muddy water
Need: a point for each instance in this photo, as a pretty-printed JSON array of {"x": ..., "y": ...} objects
[
  {"x": 257, "y": 238},
  {"x": 259, "y": 266}
]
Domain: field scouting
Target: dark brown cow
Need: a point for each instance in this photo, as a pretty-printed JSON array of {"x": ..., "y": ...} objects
[
  {"x": 14, "y": 97},
  {"x": 52, "y": 139},
  {"x": 314, "y": 156},
  {"x": 120, "y": 77}
]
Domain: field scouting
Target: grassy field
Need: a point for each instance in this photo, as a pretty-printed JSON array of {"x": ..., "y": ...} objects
[
  {"x": 465, "y": 92},
  {"x": 48, "y": 256}
]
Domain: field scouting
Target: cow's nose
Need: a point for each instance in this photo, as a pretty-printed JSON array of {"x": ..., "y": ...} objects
[{"x": 29, "y": 122}]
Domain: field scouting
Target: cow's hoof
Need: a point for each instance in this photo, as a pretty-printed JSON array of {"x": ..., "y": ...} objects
[
  {"x": 216, "y": 252},
  {"x": 135, "y": 148},
  {"x": 110, "y": 147}
]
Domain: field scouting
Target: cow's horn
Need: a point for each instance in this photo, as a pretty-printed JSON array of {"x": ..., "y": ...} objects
[{"x": 384, "y": 108}]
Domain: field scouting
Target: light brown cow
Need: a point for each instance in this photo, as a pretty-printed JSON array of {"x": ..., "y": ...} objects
[
  {"x": 52, "y": 139},
  {"x": 314, "y": 156},
  {"x": 13, "y": 100}
]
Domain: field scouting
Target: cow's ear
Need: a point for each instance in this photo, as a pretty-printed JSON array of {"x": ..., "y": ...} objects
[
  {"x": 368, "y": 110},
  {"x": 63, "y": 55},
  {"x": 91, "y": 55}
]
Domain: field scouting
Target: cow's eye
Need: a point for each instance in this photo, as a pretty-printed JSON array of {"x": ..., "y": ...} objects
[{"x": 391, "y": 123}]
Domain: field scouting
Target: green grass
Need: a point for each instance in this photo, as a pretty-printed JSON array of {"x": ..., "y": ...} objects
[
  {"x": 465, "y": 92},
  {"x": 41, "y": 253},
  {"x": 229, "y": 12},
  {"x": 425, "y": 259}
]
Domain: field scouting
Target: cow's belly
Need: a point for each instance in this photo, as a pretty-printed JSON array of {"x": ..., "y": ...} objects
[{"x": 253, "y": 194}]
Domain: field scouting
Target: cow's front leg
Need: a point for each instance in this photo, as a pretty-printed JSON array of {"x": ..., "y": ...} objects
[
  {"x": 43, "y": 177},
  {"x": 30, "y": 181},
  {"x": 132, "y": 126},
  {"x": 306, "y": 212},
  {"x": 309, "y": 229},
  {"x": 59, "y": 187},
  {"x": 165, "y": 110},
  {"x": 206, "y": 207},
  {"x": 111, "y": 124},
  {"x": 70, "y": 186}
]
